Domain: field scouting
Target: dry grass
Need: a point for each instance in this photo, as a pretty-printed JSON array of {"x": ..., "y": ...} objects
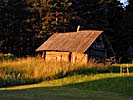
[{"x": 34, "y": 69}]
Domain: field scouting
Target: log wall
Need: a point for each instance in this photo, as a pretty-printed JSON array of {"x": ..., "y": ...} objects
[
  {"x": 57, "y": 56},
  {"x": 79, "y": 58},
  {"x": 66, "y": 57}
]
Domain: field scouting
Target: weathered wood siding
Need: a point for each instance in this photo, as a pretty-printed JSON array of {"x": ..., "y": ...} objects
[
  {"x": 57, "y": 56},
  {"x": 98, "y": 50},
  {"x": 79, "y": 58},
  {"x": 66, "y": 57}
]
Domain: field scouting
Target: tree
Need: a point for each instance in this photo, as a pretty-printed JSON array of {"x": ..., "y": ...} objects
[
  {"x": 32, "y": 21},
  {"x": 12, "y": 15},
  {"x": 95, "y": 14},
  {"x": 58, "y": 17}
]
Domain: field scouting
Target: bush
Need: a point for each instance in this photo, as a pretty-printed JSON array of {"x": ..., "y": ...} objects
[{"x": 8, "y": 56}]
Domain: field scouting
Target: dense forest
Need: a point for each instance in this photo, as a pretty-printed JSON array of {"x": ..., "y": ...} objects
[{"x": 25, "y": 24}]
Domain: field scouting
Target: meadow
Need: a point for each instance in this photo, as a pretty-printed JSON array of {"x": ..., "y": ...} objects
[
  {"x": 33, "y": 79},
  {"x": 107, "y": 86},
  {"x": 34, "y": 69}
]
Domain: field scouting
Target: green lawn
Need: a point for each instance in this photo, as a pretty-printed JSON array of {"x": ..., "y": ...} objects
[
  {"x": 60, "y": 93},
  {"x": 77, "y": 87}
]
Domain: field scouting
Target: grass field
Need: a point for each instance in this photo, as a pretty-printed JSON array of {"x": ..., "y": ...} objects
[
  {"x": 77, "y": 87},
  {"x": 62, "y": 81},
  {"x": 32, "y": 70}
]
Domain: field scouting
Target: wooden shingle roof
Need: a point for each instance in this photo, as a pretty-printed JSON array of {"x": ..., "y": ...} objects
[{"x": 71, "y": 42}]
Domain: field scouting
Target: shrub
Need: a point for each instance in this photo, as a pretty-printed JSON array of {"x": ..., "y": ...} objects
[{"x": 8, "y": 56}]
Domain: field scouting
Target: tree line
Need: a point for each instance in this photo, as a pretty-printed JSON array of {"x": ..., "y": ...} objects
[{"x": 25, "y": 24}]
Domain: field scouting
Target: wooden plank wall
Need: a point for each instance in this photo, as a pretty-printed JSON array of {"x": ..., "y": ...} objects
[
  {"x": 66, "y": 57},
  {"x": 57, "y": 56},
  {"x": 79, "y": 58}
]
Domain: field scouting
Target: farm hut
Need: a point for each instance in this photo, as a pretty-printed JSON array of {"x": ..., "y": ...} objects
[{"x": 76, "y": 47}]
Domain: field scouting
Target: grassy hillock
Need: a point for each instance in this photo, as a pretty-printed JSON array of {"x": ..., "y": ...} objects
[{"x": 77, "y": 87}]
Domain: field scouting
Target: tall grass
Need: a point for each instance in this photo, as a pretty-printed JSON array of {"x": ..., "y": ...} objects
[{"x": 34, "y": 69}]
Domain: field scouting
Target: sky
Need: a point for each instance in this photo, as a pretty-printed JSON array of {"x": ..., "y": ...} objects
[{"x": 125, "y": 2}]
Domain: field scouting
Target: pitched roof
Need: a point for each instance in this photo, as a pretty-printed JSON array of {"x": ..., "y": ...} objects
[{"x": 71, "y": 42}]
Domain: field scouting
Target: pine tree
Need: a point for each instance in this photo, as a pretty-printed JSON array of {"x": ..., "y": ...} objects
[
  {"x": 58, "y": 17},
  {"x": 11, "y": 14},
  {"x": 32, "y": 21}
]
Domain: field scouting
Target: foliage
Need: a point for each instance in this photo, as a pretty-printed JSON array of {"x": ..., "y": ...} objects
[
  {"x": 13, "y": 35},
  {"x": 12, "y": 16},
  {"x": 45, "y": 17},
  {"x": 32, "y": 19},
  {"x": 98, "y": 13},
  {"x": 58, "y": 17},
  {"x": 8, "y": 56}
]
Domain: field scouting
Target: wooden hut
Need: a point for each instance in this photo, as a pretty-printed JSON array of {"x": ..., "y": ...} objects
[{"x": 76, "y": 47}]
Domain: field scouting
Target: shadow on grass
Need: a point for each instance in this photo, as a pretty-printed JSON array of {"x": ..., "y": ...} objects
[
  {"x": 122, "y": 85},
  {"x": 116, "y": 69},
  {"x": 118, "y": 88},
  {"x": 20, "y": 81}
]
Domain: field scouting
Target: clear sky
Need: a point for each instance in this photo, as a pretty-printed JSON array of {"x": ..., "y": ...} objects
[{"x": 125, "y": 2}]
